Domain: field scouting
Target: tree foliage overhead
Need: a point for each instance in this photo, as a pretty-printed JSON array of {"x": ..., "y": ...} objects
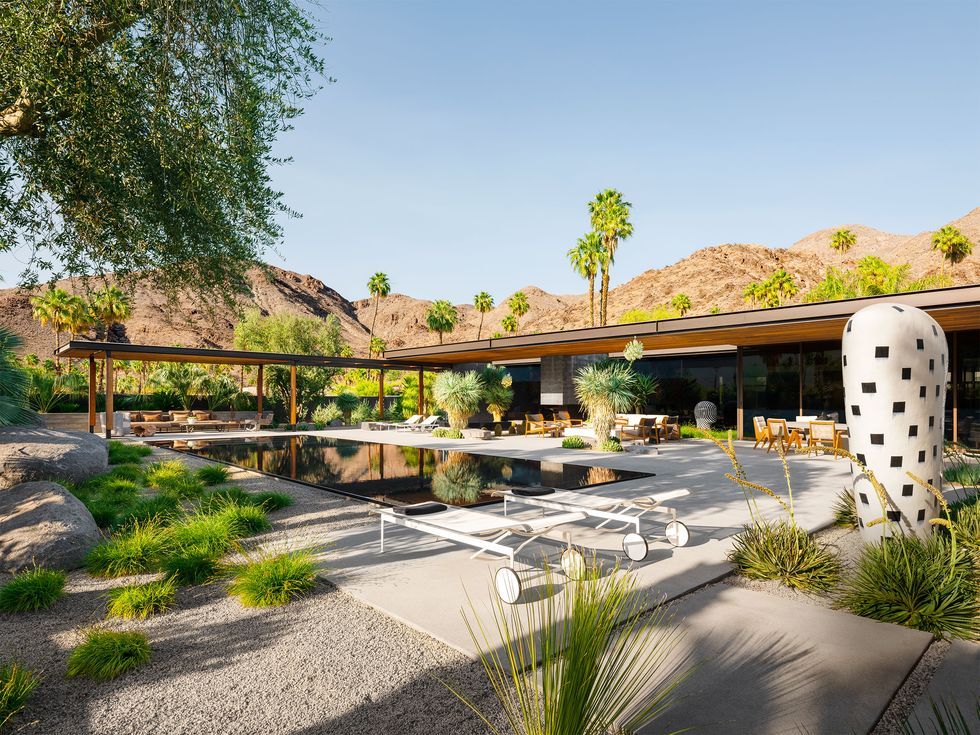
[{"x": 135, "y": 134}]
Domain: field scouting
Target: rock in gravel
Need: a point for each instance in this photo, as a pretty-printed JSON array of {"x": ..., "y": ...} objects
[
  {"x": 31, "y": 453},
  {"x": 42, "y": 523}
]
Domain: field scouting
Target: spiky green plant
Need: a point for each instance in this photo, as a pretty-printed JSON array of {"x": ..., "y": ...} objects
[
  {"x": 574, "y": 442},
  {"x": 33, "y": 589},
  {"x": 270, "y": 580},
  {"x": 599, "y": 655},
  {"x": 444, "y": 433},
  {"x": 160, "y": 473},
  {"x": 930, "y": 585},
  {"x": 459, "y": 395},
  {"x": 136, "y": 550},
  {"x": 16, "y": 686},
  {"x": 126, "y": 453},
  {"x": 106, "y": 654},
  {"x": 213, "y": 474},
  {"x": 14, "y": 383},
  {"x": 142, "y": 600},
  {"x": 605, "y": 389},
  {"x": 610, "y": 444},
  {"x": 183, "y": 488},
  {"x": 946, "y": 719},
  {"x": 209, "y": 533},
  {"x": 845, "y": 510},
  {"x": 786, "y": 553}
]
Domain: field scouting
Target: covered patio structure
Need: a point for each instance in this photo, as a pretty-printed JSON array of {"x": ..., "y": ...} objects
[{"x": 109, "y": 351}]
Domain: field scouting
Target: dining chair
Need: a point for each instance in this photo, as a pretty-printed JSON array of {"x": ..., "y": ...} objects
[{"x": 779, "y": 432}]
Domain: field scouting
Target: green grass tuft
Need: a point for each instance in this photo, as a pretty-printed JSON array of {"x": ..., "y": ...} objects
[
  {"x": 132, "y": 472},
  {"x": 612, "y": 444},
  {"x": 272, "y": 501},
  {"x": 136, "y": 550},
  {"x": 142, "y": 600},
  {"x": 125, "y": 453},
  {"x": 274, "y": 580},
  {"x": 160, "y": 508},
  {"x": 244, "y": 520},
  {"x": 16, "y": 686},
  {"x": 213, "y": 474},
  {"x": 217, "y": 500},
  {"x": 117, "y": 486},
  {"x": 164, "y": 472},
  {"x": 574, "y": 442},
  {"x": 191, "y": 565},
  {"x": 785, "y": 553},
  {"x": 183, "y": 488},
  {"x": 34, "y": 589},
  {"x": 691, "y": 431},
  {"x": 106, "y": 654},
  {"x": 209, "y": 534},
  {"x": 444, "y": 433},
  {"x": 918, "y": 584},
  {"x": 105, "y": 511},
  {"x": 845, "y": 510}
]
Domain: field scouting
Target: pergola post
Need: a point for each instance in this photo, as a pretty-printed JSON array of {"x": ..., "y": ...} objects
[
  {"x": 421, "y": 405},
  {"x": 292, "y": 395},
  {"x": 259, "y": 389},
  {"x": 381, "y": 395},
  {"x": 739, "y": 394},
  {"x": 110, "y": 387},
  {"x": 92, "y": 377}
]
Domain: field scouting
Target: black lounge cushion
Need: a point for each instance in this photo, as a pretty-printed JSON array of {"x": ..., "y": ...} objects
[
  {"x": 420, "y": 509},
  {"x": 532, "y": 492}
]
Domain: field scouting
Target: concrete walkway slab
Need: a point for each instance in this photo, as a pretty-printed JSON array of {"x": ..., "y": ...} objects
[
  {"x": 956, "y": 682},
  {"x": 773, "y": 665}
]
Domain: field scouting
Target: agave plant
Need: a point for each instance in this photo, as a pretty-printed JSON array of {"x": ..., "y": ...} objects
[
  {"x": 605, "y": 667},
  {"x": 459, "y": 395},
  {"x": 603, "y": 390}
]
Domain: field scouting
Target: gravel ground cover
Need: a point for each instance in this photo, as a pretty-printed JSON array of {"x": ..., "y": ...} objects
[{"x": 325, "y": 663}]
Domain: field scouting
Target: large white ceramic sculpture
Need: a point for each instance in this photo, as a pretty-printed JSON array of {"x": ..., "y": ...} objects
[{"x": 895, "y": 359}]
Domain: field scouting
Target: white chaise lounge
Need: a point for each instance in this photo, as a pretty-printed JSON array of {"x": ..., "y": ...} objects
[
  {"x": 629, "y": 511},
  {"x": 486, "y": 532}
]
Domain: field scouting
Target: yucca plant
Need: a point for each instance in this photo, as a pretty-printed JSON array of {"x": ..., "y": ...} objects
[
  {"x": 845, "y": 510},
  {"x": 16, "y": 686},
  {"x": 106, "y": 654},
  {"x": 605, "y": 389},
  {"x": 33, "y": 589},
  {"x": 459, "y": 395},
  {"x": 605, "y": 666},
  {"x": 781, "y": 551}
]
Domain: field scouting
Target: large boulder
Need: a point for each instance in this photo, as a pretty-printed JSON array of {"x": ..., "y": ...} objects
[
  {"x": 29, "y": 453},
  {"x": 42, "y": 523}
]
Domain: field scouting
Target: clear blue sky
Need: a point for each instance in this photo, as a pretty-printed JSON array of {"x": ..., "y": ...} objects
[{"x": 462, "y": 140}]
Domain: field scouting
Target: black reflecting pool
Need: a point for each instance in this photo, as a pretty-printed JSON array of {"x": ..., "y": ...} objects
[{"x": 394, "y": 474}]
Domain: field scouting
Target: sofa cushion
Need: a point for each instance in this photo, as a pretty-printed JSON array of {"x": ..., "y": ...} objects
[
  {"x": 135, "y": 415},
  {"x": 202, "y": 415},
  {"x": 152, "y": 416},
  {"x": 179, "y": 415}
]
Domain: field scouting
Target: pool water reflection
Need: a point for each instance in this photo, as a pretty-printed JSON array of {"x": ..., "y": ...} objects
[{"x": 394, "y": 474}]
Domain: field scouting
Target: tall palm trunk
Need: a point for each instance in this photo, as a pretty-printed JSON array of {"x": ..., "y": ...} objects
[
  {"x": 479, "y": 329},
  {"x": 374, "y": 320},
  {"x": 440, "y": 337},
  {"x": 603, "y": 294},
  {"x": 591, "y": 299}
]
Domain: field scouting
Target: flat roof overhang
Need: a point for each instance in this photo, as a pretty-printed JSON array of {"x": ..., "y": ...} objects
[
  {"x": 159, "y": 353},
  {"x": 956, "y": 308}
]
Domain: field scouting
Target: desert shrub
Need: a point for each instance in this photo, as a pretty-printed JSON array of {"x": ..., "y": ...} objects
[
  {"x": 271, "y": 501},
  {"x": 142, "y": 600},
  {"x": 16, "y": 686},
  {"x": 786, "y": 553},
  {"x": 845, "y": 510},
  {"x": 965, "y": 516},
  {"x": 106, "y": 654},
  {"x": 929, "y": 585},
  {"x": 213, "y": 474},
  {"x": 268, "y": 581},
  {"x": 125, "y": 453},
  {"x": 327, "y": 414},
  {"x": 363, "y": 412},
  {"x": 346, "y": 403},
  {"x": 34, "y": 589},
  {"x": 574, "y": 442},
  {"x": 963, "y": 469},
  {"x": 136, "y": 550},
  {"x": 444, "y": 433},
  {"x": 610, "y": 444},
  {"x": 190, "y": 565},
  {"x": 160, "y": 473}
]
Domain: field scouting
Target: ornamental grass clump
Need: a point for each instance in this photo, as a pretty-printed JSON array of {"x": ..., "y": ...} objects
[
  {"x": 459, "y": 395},
  {"x": 106, "y": 654},
  {"x": 142, "y": 600},
  {"x": 213, "y": 474},
  {"x": 125, "y": 453},
  {"x": 183, "y": 488},
  {"x": 271, "y": 580},
  {"x": 163, "y": 509},
  {"x": 780, "y": 551},
  {"x": 845, "y": 510},
  {"x": 217, "y": 500},
  {"x": 136, "y": 550},
  {"x": 271, "y": 501},
  {"x": 132, "y": 472},
  {"x": 606, "y": 664},
  {"x": 161, "y": 473},
  {"x": 16, "y": 686},
  {"x": 188, "y": 565},
  {"x": 244, "y": 520},
  {"x": 31, "y": 590},
  {"x": 444, "y": 433}
]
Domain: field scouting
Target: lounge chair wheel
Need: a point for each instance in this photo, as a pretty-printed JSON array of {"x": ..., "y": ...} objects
[
  {"x": 508, "y": 585},
  {"x": 573, "y": 564},
  {"x": 677, "y": 533},
  {"x": 635, "y": 547}
]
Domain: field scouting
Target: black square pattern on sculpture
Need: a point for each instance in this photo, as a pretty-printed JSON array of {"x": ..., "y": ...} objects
[
  {"x": 877, "y": 438},
  {"x": 906, "y": 490},
  {"x": 881, "y": 351},
  {"x": 855, "y": 410},
  {"x": 864, "y": 498},
  {"x": 895, "y": 516},
  {"x": 896, "y": 462},
  {"x": 937, "y": 391},
  {"x": 922, "y": 391},
  {"x": 860, "y": 458},
  {"x": 848, "y": 325},
  {"x": 922, "y": 515},
  {"x": 934, "y": 332},
  {"x": 922, "y": 455},
  {"x": 932, "y": 365},
  {"x": 935, "y": 450},
  {"x": 868, "y": 388},
  {"x": 906, "y": 373},
  {"x": 919, "y": 344},
  {"x": 932, "y": 421},
  {"x": 913, "y": 430},
  {"x": 897, "y": 308},
  {"x": 898, "y": 407},
  {"x": 845, "y": 360}
]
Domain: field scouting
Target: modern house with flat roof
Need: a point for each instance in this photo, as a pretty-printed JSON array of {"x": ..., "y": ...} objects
[{"x": 776, "y": 363}]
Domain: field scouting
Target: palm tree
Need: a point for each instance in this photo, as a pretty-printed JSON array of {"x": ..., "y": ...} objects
[
  {"x": 483, "y": 303},
  {"x": 783, "y": 285},
  {"x": 586, "y": 258},
  {"x": 952, "y": 245},
  {"x": 518, "y": 307},
  {"x": 378, "y": 287},
  {"x": 681, "y": 303},
  {"x": 110, "y": 306},
  {"x": 842, "y": 241},
  {"x": 441, "y": 317},
  {"x": 14, "y": 383},
  {"x": 54, "y": 309},
  {"x": 611, "y": 219},
  {"x": 509, "y": 324},
  {"x": 377, "y": 346}
]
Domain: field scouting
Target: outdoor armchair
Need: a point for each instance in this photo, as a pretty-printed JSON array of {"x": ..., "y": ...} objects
[
  {"x": 534, "y": 423},
  {"x": 761, "y": 432},
  {"x": 782, "y": 435},
  {"x": 824, "y": 434},
  {"x": 565, "y": 420}
]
